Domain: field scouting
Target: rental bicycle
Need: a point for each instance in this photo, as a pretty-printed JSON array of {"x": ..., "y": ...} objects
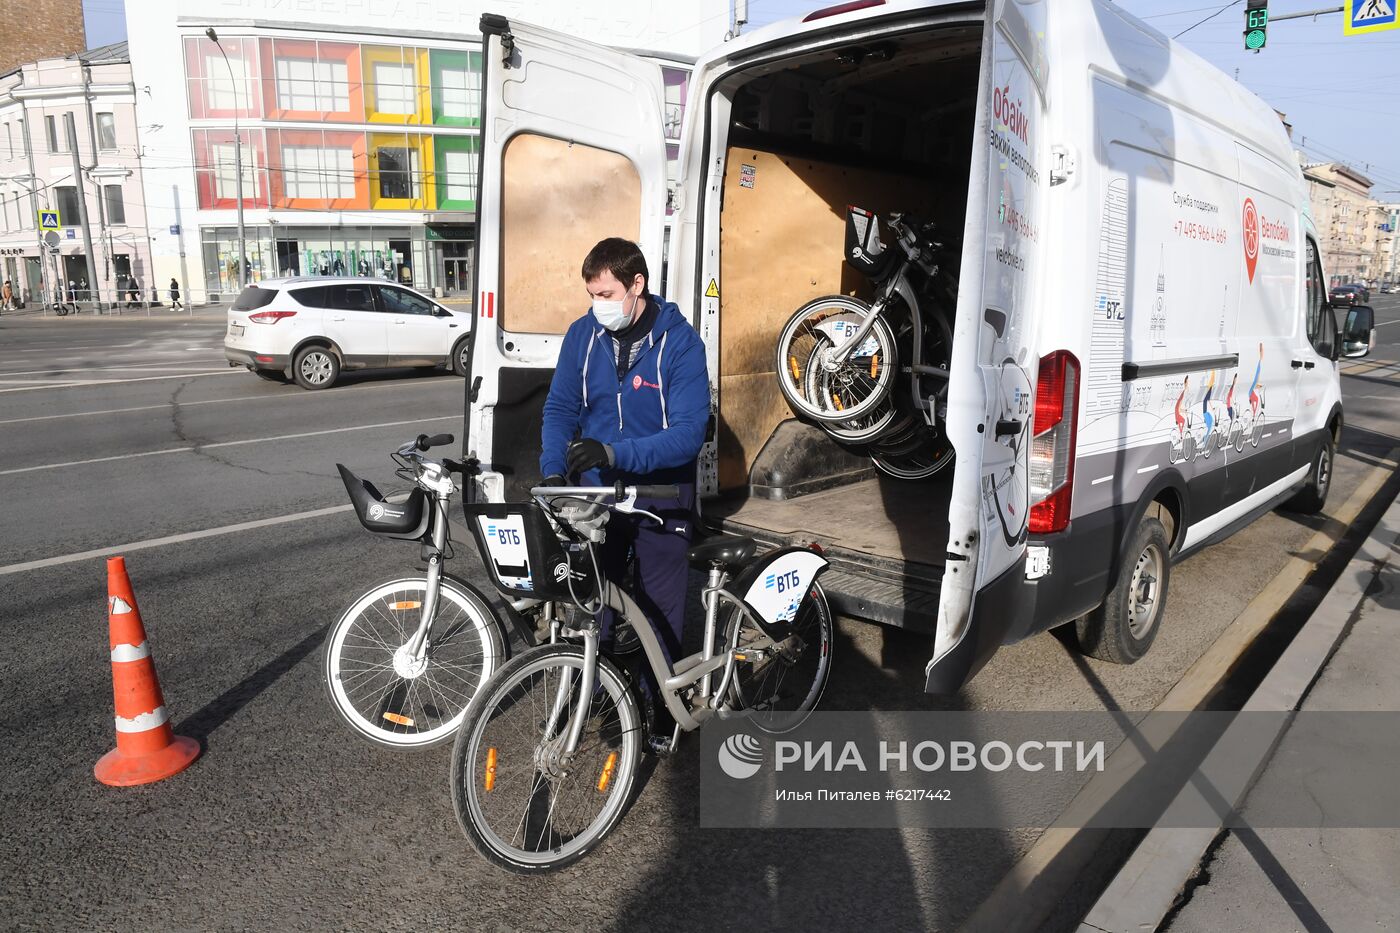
[
  {"x": 404, "y": 662},
  {"x": 876, "y": 375},
  {"x": 545, "y": 761}
]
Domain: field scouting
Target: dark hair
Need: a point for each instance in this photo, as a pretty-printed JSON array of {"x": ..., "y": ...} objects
[{"x": 622, "y": 258}]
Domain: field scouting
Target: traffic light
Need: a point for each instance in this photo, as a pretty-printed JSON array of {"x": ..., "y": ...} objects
[{"x": 1256, "y": 24}]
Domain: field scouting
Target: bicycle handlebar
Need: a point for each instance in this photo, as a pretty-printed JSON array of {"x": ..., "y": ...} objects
[{"x": 426, "y": 442}]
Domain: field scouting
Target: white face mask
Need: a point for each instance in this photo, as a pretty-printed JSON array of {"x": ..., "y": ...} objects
[{"x": 614, "y": 315}]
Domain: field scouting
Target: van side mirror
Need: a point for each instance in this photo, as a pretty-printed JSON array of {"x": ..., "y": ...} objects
[{"x": 1359, "y": 334}]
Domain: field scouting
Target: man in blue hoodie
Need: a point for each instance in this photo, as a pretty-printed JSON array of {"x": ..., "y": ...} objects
[{"x": 630, "y": 400}]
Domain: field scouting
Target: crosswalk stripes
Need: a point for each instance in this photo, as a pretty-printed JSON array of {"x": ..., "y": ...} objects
[{"x": 1384, "y": 369}]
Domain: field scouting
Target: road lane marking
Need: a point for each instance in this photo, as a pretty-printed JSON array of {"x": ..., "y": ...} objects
[
  {"x": 283, "y": 397},
  {"x": 1101, "y": 479},
  {"x": 201, "y": 447},
  {"x": 56, "y": 370},
  {"x": 107, "y": 382},
  {"x": 176, "y": 539}
]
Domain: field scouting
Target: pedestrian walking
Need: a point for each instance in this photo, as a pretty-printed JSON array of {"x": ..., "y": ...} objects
[
  {"x": 7, "y": 297},
  {"x": 72, "y": 303},
  {"x": 133, "y": 297},
  {"x": 175, "y": 303}
]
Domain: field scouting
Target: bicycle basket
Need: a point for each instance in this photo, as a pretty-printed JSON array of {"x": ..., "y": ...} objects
[
  {"x": 524, "y": 555},
  {"x": 408, "y": 521},
  {"x": 864, "y": 251}
]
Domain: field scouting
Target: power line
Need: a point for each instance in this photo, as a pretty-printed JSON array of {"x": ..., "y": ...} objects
[{"x": 1207, "y": 19}]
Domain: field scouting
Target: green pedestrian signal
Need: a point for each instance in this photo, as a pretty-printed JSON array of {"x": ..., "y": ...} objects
[{"x": 1256, "y": 25}]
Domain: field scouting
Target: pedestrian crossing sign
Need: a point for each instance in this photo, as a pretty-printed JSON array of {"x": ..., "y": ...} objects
[
  {"x": 49, "y": 220},
  {"x": 1366, "y": 16}
]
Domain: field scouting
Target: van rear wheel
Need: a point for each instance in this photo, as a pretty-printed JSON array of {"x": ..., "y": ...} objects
[{"x": 1124, "y": 627}]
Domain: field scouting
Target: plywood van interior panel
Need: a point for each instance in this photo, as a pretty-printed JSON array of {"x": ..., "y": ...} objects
[
  {"x": 558, "y": 199},
  {"x": 782, "y": 234}
]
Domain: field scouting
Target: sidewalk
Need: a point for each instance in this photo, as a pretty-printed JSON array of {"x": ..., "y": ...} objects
[
  {"x": 1317, "y": 879},
  {"x": 1344, "y": 660}
]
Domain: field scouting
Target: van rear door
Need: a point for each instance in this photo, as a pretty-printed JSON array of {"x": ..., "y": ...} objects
[
  {"x": 572, "y": 151},
  {"x": 994, "y": 362}
]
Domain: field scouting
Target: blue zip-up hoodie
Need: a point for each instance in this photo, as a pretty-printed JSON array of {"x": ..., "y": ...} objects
[{"x": 653, "y": 418}]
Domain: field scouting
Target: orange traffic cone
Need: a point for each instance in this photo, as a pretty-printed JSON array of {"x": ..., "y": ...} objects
[{"x": 147, "y": 750}]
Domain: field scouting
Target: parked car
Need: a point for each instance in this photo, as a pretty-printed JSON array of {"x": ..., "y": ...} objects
[
  {"x": 1390, "y": 288},
  {"x": 312, "y": 328},
  {"x": 1348, "y": 295}
]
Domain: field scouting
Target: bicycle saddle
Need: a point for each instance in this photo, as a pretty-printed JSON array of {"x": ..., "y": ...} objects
[{"x": 723, "y": 551}]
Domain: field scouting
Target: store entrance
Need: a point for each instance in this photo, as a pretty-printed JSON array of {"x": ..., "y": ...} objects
[{"x": 457, "y": 275}]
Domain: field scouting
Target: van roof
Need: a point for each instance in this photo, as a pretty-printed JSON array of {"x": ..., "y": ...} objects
[{"x": 1193, "y": 78}]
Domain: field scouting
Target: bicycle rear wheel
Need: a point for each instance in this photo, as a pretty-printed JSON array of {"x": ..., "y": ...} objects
[
  {"x": 522, "y": 803},
  {"x": 779, "y": 692},
  {"x": 381, "y": 693}
]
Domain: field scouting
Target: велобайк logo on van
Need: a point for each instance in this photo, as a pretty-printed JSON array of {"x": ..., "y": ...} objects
[{"x": 1251, "y": 237}]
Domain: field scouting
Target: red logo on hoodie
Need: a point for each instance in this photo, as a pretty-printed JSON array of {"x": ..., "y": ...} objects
[{"x": 638, "y": 382}]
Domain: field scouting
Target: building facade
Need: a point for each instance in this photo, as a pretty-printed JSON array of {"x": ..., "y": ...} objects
[
  {"x": 36, "y": 175},
  {"x": 1385, "y": 261},
  {"x": 359, "y": 128},
  {"x": 1340, "y": 198},
  {"x": 39, "y": 29}
]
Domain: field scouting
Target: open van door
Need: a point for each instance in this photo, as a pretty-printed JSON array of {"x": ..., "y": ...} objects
[
  {"x": 994, "y": 364},
  {"x": 572, "y": 151}
]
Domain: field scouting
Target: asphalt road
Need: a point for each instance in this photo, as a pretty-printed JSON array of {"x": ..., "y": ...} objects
[{"x": 115, "y": 432}]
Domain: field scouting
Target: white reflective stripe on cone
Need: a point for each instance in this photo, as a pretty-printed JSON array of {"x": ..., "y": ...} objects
[
  {"x": 131, "y": 652},
  {"x": 117, "y": 606},
  {"x": 144, "y": 722}
]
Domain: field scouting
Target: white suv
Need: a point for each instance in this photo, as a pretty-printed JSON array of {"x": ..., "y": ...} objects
[{"x": 311, "y": 328}]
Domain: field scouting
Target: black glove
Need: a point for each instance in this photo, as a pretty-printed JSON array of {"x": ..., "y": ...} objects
[
  {"x": 553, "y": 479},
  {"x": 585, "y": 453}
]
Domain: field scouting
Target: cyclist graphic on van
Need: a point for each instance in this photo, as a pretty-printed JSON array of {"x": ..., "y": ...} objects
[{"x": 1207, "y": 416}]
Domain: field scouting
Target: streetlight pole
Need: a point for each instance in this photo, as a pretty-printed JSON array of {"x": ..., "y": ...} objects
[{"x": 237, "y": 162}]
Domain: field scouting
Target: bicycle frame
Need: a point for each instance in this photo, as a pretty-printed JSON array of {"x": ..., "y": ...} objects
[
  {"x": 673, "y": 681},
  {"x": 437, "y": 480}
]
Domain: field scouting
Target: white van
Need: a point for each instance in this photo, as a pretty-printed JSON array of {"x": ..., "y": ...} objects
[{"x": 1143, "y": 357}]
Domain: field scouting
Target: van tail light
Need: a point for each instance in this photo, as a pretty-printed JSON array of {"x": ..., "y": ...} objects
[
  {"x": 270, "y": 317},
  {"x": 1052, "y": 442},
  {"x": 841, "y": 8}
]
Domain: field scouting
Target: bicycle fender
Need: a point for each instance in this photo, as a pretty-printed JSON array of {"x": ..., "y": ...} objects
[{"x": 774, "y": 586}]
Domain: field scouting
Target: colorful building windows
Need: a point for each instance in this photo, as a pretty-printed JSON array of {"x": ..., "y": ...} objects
[
  {"x": 219, "y": 90},
  {"x": 310, "y": 80},
  {"x": 315, "y": 169},
  {"x": 397, "y": 166},
  {"x": 396, "y": 84},
  {"x": 455, "y": 165},
  {"x": 456, "y": 88},
  {"x": 216, "y": 177}
]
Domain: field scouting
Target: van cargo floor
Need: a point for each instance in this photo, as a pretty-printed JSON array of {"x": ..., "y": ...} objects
[
  {"x": 884, "y": 517},
  {"x": 887, "y": 540}
]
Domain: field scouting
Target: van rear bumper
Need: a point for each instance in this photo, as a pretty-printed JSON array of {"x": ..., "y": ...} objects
[{"x": 1011, "y": 608}]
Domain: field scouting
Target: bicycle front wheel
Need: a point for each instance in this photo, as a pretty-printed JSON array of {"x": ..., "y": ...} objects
[
  {"x": 814, "y": 384},
  {"x": 523, "y": 801},
  {"x": 393, "y": 699}
]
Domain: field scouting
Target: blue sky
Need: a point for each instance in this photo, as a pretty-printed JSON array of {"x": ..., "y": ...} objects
[{"x": 1342, "y": 94}]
